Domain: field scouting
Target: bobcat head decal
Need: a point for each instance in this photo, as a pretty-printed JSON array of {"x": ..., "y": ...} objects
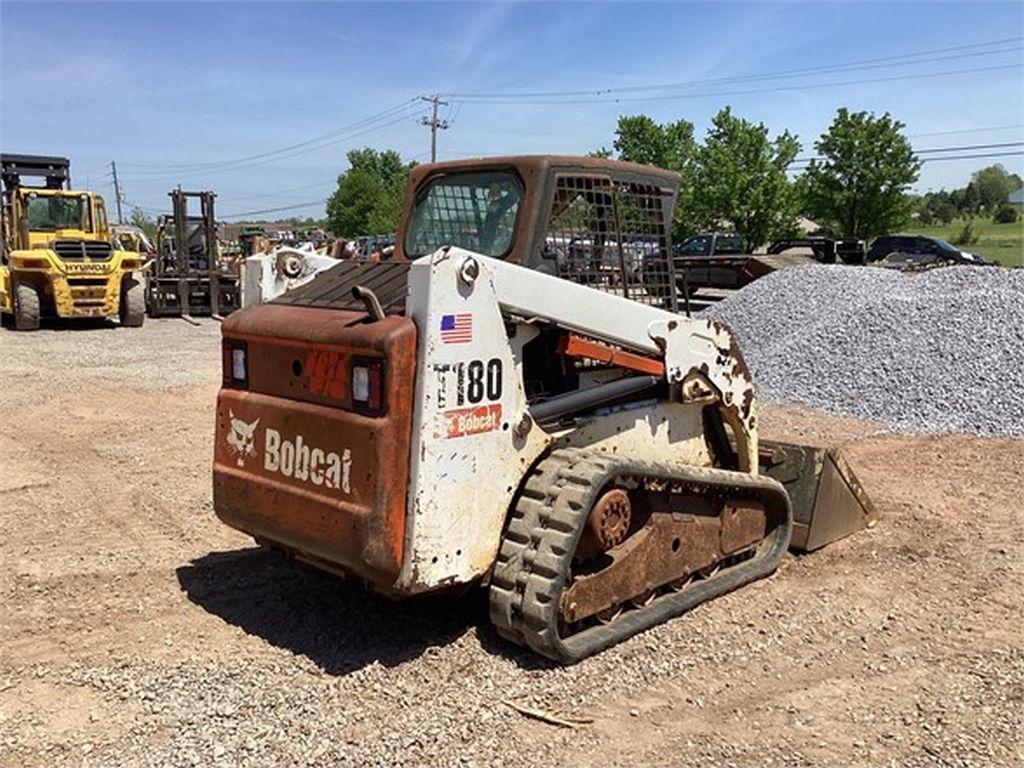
[{"x": 240, "y": 438}]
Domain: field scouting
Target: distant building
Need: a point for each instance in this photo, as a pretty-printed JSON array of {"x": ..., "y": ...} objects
[{"x": 1017, "y": 197}]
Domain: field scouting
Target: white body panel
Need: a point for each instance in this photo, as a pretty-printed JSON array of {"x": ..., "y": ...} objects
[
  {"x": 465, "y": 460},
  {"x": 474, "y": 314},
  {"x": 266, "y": 276}
]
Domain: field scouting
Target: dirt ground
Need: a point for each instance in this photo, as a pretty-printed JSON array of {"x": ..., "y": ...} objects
[{"x": 137, "y": 630}]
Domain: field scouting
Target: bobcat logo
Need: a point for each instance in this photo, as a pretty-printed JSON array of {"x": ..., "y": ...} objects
[{"x": 240, "y": 438}]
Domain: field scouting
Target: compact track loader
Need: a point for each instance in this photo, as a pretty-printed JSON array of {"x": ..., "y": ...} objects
[{"x": 510, "y": 401}]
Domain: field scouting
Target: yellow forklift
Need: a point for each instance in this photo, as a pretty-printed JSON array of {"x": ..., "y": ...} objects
[{"x": 57, "y": 258}]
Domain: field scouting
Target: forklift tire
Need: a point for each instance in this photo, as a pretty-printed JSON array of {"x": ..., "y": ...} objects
[
  {"x": 132, "y": 311},
  {"x": 26, "y": 307}
]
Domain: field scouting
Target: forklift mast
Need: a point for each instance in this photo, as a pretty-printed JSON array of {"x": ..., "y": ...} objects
[
  {"x": 55, "y": 170},
  {"x": 188, "y": 278}
]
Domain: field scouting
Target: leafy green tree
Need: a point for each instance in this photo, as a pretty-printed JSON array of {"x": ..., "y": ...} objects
[
  {"x": 370, "y": 193},
  {"x": 140, "y": 219},
  {"x": 967, "y": 201},
  {"x": 994, "y": 186},
  {"x": 858, "y": 188},
  {"x": 936, "y": 207},
  {"x": 740, "y": 176},
  {"x": 639, "y": 139}
]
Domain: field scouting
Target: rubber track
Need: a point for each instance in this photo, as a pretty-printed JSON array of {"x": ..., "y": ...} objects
[{"x": 535, "y": 558}]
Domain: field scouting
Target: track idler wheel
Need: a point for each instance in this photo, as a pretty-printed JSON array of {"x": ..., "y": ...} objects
[{"x": 607, "y": 525}]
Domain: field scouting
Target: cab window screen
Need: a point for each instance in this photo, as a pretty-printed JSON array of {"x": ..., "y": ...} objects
[
  {"x": 48, "y": 213},
  {"x": 475, "y": 211}
]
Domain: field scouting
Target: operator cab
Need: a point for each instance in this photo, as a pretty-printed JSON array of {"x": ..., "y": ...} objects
[{"x": 603, "y": 223}]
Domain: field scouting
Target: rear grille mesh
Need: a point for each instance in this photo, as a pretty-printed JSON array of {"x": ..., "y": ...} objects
[{"x": 79, "y": 250}]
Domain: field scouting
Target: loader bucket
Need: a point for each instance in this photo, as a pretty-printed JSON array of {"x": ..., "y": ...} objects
[{"x": 828, "y": 499}]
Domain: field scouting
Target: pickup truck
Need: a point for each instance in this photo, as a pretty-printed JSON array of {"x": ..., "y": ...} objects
[{"x": 715, "y": 260}]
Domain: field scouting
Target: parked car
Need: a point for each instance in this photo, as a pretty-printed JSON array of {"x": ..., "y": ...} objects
[
  {"x": 918, "y": 251},
  {"x": 710, "y": 244}
]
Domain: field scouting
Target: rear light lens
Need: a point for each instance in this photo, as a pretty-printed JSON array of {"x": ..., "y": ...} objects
[
  {"x": 235, "y": 364},
  {"x": 368, "y": 385},
  {"x": 238, "y": 364},
  {"x": 361, "y": 384}
]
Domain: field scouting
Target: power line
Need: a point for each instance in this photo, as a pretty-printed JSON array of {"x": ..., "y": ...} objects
[
  {"x": 775, "y": 89},
  {"x": 971, "y": 146},
  {"x": 986, "y": 155},
  {"x": 331, "y": 134},
  {"x": 273, "y": 210},
  {"x": 265, "y": 161},
  {"x": 938, "y": 150},
  {"x": 872, "y": 63},
  {"x": 242, "y": 196},
  {"x": 96, "y": 171},
  {"x": 992, "y": 129},
  {"x": 145, "y": 209},
  {"x": 973, "y": 156}
]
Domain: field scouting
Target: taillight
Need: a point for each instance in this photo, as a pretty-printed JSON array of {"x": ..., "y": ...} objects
[
  {"x": 368, "y": 385},
  {"x": 235, "y": 365}
]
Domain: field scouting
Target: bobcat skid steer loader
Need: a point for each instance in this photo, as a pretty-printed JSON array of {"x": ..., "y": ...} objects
[{"x": 512, "y": 401}]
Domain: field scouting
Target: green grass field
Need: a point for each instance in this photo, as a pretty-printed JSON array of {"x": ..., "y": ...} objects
[{"x": 1001, "y": 243}]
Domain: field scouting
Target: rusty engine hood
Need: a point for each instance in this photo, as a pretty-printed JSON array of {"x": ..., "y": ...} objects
[
  {"x": 317, "y": 474},
  {"x": 332, "y": 289}
]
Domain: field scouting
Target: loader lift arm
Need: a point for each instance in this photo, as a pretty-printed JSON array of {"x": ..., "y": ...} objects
[{"x": 696, "y": 354}]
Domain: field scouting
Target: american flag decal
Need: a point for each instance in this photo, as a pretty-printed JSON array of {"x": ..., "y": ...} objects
[{"x": 457, "y": 329}]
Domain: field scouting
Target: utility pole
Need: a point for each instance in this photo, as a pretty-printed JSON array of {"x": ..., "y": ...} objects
[
  {"x": 117, "y": 192},
  {"x": 434, "y": 123}
]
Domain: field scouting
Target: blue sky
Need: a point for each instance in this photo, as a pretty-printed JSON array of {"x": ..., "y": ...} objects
[{"x": 160, "y": 87}]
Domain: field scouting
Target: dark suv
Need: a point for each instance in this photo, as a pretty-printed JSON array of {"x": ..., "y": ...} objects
[{"x": 900, "y": 250}]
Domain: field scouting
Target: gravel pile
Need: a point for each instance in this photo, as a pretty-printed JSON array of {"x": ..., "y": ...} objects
[{"x": 935, "y": 351}]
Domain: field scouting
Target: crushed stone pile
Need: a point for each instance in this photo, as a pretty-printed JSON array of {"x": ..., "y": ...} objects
[{"x": 936, "y": 351}]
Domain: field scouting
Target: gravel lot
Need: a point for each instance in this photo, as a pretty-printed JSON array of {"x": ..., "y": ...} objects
[
  {"x": 137, "y": 630},
  {"x": 941, "y": 350}
]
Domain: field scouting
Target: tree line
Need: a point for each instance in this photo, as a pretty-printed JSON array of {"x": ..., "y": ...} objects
[
  {"x": 987, "y": 194},
  {"x": 857, "y": 184}
]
